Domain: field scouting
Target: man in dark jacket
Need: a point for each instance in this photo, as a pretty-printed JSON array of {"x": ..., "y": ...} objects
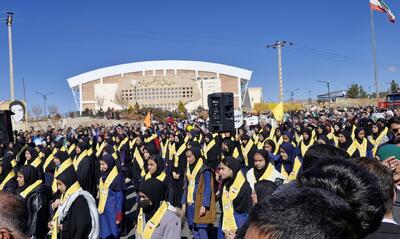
[{"x": 389, "y": 228}]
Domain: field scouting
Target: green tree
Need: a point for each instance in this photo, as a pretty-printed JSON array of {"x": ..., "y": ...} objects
[
  {"x": 394, "y": 86},
  {"x": 181, "y": 107},
  {"x": 353, "y": 91},
  {"x": 137, "y": 107},
  {"x": 363, "y": 93}
]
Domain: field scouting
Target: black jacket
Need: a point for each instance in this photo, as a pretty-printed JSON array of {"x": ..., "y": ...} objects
[
  {"x": 386, "y": 231},
  {"x": 37, "y": 203}
]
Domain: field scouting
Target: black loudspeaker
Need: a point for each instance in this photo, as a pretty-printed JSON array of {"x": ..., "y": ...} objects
[
  {"x": 6, "y": 134},
  {"x": 220, "y": 112}
]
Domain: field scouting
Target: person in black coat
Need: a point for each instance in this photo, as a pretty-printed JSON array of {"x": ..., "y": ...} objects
[
  {"x": 8, "y": 180},
  {"x": 36, "y": 195},
  {"x": 84, "y": 166}
]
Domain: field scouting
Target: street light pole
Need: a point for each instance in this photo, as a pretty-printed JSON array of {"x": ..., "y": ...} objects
[
  {"x": 9, "y": 25},
  {"x": 44, "y": 95}
]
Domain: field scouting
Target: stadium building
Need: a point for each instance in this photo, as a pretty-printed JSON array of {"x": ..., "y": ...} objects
[{"x": 159, "y": 84}]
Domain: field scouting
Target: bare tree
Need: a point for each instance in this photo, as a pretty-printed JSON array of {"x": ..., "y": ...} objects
[
  {"x": 100, "y": 102},
  {"x": 53, "y": 109},
  {"x": 37, "y": 110},
  {"x": 119, "y": 100}
]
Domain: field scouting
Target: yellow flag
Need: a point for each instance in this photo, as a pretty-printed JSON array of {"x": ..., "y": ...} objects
[
  {"x": 147, "y": 120},
  {"x": 278, "y": 112}
]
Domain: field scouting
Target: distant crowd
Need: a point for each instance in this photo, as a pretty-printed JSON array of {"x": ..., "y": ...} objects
[{"x": 320, "y": 173}]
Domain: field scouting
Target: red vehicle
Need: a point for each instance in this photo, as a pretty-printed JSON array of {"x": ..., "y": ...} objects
[{"x": 392, "y": 101}]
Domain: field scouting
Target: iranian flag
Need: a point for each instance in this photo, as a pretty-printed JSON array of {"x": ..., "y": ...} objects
[{"x": 380, "y": 5}]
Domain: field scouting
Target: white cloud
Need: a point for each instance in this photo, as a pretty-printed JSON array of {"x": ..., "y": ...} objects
[{"x": 393, "y": 68}]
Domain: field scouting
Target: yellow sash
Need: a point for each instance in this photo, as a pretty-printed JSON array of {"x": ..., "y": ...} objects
[
  {"x": 353, "y": 130},
  {"x": 209, "y": 147},
  {"x": 228, "y": 222},
  {"x": 104, "y": 187},
  {"x": 178, "y": 153},
  {"x": 304, "y": 147},
  {"x": 277, "y": 144},
  {"x": 172, "y": 151},
  {"x": 266, "y": 175},
  {"x": 235, "y": 153},
  {"x": 298, "y": 138},
  {"x": 35, "y": 162},
  {"x": 100, "y": 148},
  {"x": 246, "y": 150},
  {"x": 132, "y": 143},
  {"x": 140, "y": 161},
  {"x": 362, "y": 148},
  {"x": 9, "y": 176},
  {"x": 191, "y": 176},
  {"x": 78, "y": 160},
  {"x": 152, "y": 224},
  {"x": 58, "y": 171},
  {"x": 260, "y": 145},
  {"x": 149, "y": 139},
  {"x": 71, "y": 148},
  {"x": 71, "y": 190},
  {"x": 292, "y": 176},
  {"x": 49, "y": 159},
  {"x": 89, "y": 152},
  {"x": 164, "y": 148},
  {"x": 13, "y": 163},
  {"x": 378, "y": 141},
  {"x": 160, "y": 177},
  {"x": 123, "y": 142},
  {"x": 29, "y": 189}
]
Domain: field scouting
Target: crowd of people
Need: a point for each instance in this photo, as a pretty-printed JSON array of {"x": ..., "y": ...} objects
[{"x": 317, "y": 174}]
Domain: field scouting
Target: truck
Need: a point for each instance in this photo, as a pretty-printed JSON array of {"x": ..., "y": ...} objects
[{"x": 391, "y": 101}]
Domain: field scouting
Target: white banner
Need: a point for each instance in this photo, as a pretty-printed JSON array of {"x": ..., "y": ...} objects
[{"x": 238, "y": 118}]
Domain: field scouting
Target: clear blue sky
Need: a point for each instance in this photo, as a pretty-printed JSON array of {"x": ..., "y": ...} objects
[{"x": 54, "y": 40}]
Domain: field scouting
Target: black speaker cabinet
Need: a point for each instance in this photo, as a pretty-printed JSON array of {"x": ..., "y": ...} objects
[
  {"x": 6, "y": 134},
  {"x": 220, "y": 112}
]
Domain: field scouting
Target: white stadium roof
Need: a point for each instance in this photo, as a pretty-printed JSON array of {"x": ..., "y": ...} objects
[{"x": 158, "y": 65}]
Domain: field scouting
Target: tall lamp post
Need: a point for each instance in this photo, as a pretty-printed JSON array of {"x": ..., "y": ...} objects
[
  {"x": 9, "y": 25},
  {"x": 44, "y": 95},
  {"x": 134, "y": 83}
]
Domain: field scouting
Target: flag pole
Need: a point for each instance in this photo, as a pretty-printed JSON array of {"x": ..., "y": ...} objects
[{"x": 374, "y": 53}]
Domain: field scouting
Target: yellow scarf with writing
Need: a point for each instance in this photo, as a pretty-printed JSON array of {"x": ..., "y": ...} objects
[
  {"x": 71, "y": 190},
  {"x": 32, "y": 187},
  {"x": 228, "y": 221},
  {"x": 146, "y": 232},
  {"x": 104, "y": 188},
  {"x": 9, "y": 176},
  {"x": 292, "y": 176},
  {"x": 191, "y": 177},
  {"x": 78, "y": 159},
  {"x": 58, "y": 171}
]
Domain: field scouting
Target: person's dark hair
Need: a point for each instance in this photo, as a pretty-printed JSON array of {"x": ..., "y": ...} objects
[
  {"x": 352, "y": 182},
  {"x": 393, "y": 120},
  {"x": 320, "y": 152},
  {"x": 304, "y": 213},
  {"x": 13, "y": 214},
  {"x": 385, "y": 179},
  {"x": 264, "y": 188}
]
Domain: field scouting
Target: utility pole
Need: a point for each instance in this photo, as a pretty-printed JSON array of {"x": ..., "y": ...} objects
[
  {"x": 327, "y": 85},
  {"x": 309, "y": 98},
  {"x": 278, "y": 45},
  {"x": 9, "y": 24},
  {"x": 44, "y": 101}
]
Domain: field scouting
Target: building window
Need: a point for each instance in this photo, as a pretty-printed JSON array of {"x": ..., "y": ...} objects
[{"x": 205, "y": 78}]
